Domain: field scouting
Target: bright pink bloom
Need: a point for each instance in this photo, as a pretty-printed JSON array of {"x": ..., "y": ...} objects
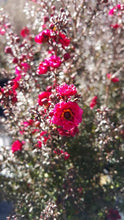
[
  {"x": 63, "y": 40},
  {"x": 2, "y": 31},
  {"x": 67, "y": 115},
  {"x": 43, "y": 98},
  {"x": 16, "y": 146},
  {"x": 66, "y": 155},
  {"x": 115, "y": 26},
  {"x": 113, "y": 79},
  {"x": 24, "y": 32},
  {"x": 25, "y": 67},
  {"x": 44, "y": 36},
  {"x": 66, "y": 90},
  {"x": 113, "y": 215},
  {"x": 39, "y": 144},
  {"x": 28, "y": 123},
  {"x": 93, "y": 102},
  {"x": 54, "y": 61},
  {"x": 15, "y": 84},
  {"x": 43, "y": 68},
  {"x": 117, "y": 7}
]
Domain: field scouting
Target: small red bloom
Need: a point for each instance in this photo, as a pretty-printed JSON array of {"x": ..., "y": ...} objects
[
  {"x": 39, "y": 144},
  {"x": 113, "y": 79},
  {"x": 16, "y": 146},
  {"x": 2, "y": 31},
  {"x": 25, "y": 67},
  {"x": 43, "y": 68},
  {"x": 44, "y": 36},
  {"x": 115, "y": 26},
  {"x": 114, "y": 9},
  {"x": 54, "y": 61},
  {"x": 65, "y": 154},
  {"x": 66, "y": 90},
  {"x": 24, "y": 32},
  {"x": 43, "y": 98},
  {"x": 63, "y": 40},
  {"x": 67, "y": 56},
  {"x": 113, "y": 215},
  {"x": 93, "y": 102}
]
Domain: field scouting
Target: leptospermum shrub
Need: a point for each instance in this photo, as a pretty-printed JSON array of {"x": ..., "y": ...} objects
[{"x": 64, "y": 107}]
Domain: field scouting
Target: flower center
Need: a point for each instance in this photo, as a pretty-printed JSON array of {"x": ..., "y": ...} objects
[{"x": 67, "y": 114}]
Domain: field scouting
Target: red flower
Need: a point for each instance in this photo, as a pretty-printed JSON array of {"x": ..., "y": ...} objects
[
  {"x": 93, "y": 102},
  {"x": 67, "y": 115},
  {"x": 43, "y": 98},
  {"x": 113, "y": 215},
  {"x": 54, "y": 61},
  {"x": 65, "y": 154},
  {"x": 24, "y": 32},
  {"x": 43, "y": 68},
  {"x": 25, "y": 67},
  {"x": 115, "y": 26},
  {"x": 16, "y": 146},
  {"x": 44, "y": 36},
  {"x": 39, "y": 144},
  {"x": 113, "y": 79},
  {"x": 2, "y": 31},
  {"x": 66, "y": 90},
  {"x": 117, "y": 7},
  {"x": 63, "y": 40}
]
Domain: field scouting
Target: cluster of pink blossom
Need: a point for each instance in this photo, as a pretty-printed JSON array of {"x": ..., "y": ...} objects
[
  {"x": 52, "y": 36},
  {"x": 49, "y": 64},
  {"x": 117, "y": 10}
]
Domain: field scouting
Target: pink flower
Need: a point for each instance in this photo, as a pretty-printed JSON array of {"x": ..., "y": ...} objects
[
  {"x": 2, "y": 31},
  {"x": 44, "y": 36},
  {"x": 25, "y": 67},
  {"x": 67, "y": 115},
  {"x": 43, "y": 98},
  {"x": 113, "y": 215},
  {"x": 115, "y": 26},
  {"x": 113, "y": 79},
  {"x": 25, "y": 32},
  {"x": 54, "y": 61},
  {"x": 93, "y": 102},
  {"x": 67, "y": 56},
  {"x": 16, "y": 146},
  {"x": 39, "y": 144},
  {"x": 63, "y": 40},
  {"x": 66, "y": 155},
  {"x": 15, "y": 84},
  {"x": 30, "y": 122},
  {"x": 117, "y": 7},
  {"x": 66, "y": 90},
  {"x": 43, "y": 68}
]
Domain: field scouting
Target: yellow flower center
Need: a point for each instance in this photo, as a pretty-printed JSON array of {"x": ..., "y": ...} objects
[{"x": 67, "y": 114}]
